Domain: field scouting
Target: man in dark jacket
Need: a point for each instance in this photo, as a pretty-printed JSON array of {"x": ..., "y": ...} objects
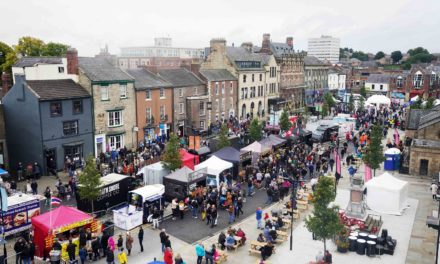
[
  {"x": 141, "y": 238},
  {"x": 71, "y": 250},
  {"x": 104, "y": 242},
  {"x": 95, "y": 248},
  {"x": 110, "y": 256},
  {"x": 18, "y": 248},
  {"x": 163, "y": 237}
]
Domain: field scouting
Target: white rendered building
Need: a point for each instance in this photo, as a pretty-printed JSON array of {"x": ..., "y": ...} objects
[{"x": 324, "y": 48}]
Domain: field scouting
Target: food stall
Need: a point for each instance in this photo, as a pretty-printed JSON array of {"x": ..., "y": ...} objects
[
  {"x": 61, "y": 223},
  {"x": 188, "y": 159},
  {"x": 257, "y": 150},
  {"x": 183, "y": 181},
  {"x": 239, "y": 160},
  {"x": 21, "y": 208},
  {"x": 114, "y": 188},
  {"x": 141, "y": 203},
  {"x": 153, "y": 173},
  {"x": 215, "y": 166}
]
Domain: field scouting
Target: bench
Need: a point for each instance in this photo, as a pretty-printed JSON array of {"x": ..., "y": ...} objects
[
  {"x": 233, "y": 247},
  {"x": 302, "y": 205},
  {"x": 282, "y": 235},
  {"x": 255, "y": 251}
]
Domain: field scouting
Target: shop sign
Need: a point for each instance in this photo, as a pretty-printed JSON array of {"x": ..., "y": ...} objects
[
  {"x": 18, "y": 217},
  {"x": 73, "y": 225},
  {"x": 245, "y": 156}
]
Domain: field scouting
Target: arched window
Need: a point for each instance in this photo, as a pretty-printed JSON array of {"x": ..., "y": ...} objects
[
  {"x": 243, "y": 110},
  {"x": 418, "y": 80}
]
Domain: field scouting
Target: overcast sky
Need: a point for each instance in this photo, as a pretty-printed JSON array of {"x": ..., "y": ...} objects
[{"x": 90, "y": 24}]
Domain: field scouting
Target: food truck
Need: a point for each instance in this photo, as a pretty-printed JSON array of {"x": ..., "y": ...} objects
[
  {"x": 141, "y": 203},
  {"x": 21, "y": 208},
  {"x": 182, "y": 182},
  {"x": 114, "y": 188}
]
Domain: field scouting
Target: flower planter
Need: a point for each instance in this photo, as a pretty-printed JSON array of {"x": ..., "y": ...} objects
[{"x": 342, "y": 250}]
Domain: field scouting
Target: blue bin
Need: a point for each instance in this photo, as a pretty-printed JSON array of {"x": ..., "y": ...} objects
[
  {"x": 397, "y": 162},
  {"x": 389, "y": 162}
]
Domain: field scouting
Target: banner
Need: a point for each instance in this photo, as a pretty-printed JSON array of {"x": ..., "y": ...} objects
[
  {"x": 191, "y": 142},
  {"x": 18, "y": 217},
  {"x": 196, "y": 142},
  {"x": 368, "y": 174}
]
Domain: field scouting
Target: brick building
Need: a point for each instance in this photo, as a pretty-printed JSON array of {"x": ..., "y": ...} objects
[
  {"x": 222, "y": 93},
  {"x": 154, "y": 104}
]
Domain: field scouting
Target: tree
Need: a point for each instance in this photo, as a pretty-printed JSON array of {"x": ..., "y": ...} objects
[
  {"x": 363, "y": 91},
  {"x": 324, "y": 110},
  {"x": 396, "y": 56},
  {"x": 54, "y": 49},
  {"x": 223, "y": 139},
  {"x": 351, "y": 103},
  {"x": 284, "y": 121},
  {"x": 255, "y": 130},
  {"x": 360, "y": 55},
  {"x": 374, "y": 156},
  {"x": 328, "y": 98},
  {"x": 29, "y": 46},
  {"x": 418, "y": 50},
  {"x": 172, "y": 159},
  {"x": 361, "y": 104},
  {"x": 89, "y": 181},
  {"x": 430, "y": 102},
  {"x": 324, "y": 222},
  {"x": 417, "y": 104},
  {"x": 379, "y": 55},
  {"x": 4, "y": 51}
]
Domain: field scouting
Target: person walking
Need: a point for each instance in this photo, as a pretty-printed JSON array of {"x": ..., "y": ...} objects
[
  {"x": 34, "y": 187},
  {"x": 141, "y": 238},
  {"x": 82, "y": 255},
  {"x": 434, "y": 190},
  {"x": 18, "y": 248},
  {"x": 163, "y": 237},
  {"x": 231, "y": 213},
  {"x": 120, "y": 242},
  {"x": 213, "y": 216},
  {"x": 155, "y": 217},
  {"x": 109, "y": 256},
  {"x": 178, "y": 259},
  {"x": 129, "y": 243},
  {"x": 209, "y": 254},
  {"x": 168, "y": 256},
  {"x": 47, "y": 194},
  {"x": 71, "y": 250},
  {"x": 122, "y": 257},
  {"x": 259, "y": 216},
  {"x": 200, "y": 252},
  {"x": 25, "y": 254}
]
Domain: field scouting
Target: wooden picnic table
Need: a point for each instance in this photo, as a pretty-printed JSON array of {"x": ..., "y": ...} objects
[{"x": 255, "y": 246}]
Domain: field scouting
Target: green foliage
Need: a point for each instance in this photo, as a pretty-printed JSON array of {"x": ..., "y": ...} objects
[
  {"x": 172, "y": 159},
  {"x": 89, "y": 181},
  {"x": 374, "y": 156},
  {"x": 417, "y": 104},
  {"x": 379, "y": 55},
  {"x": 360, "y": 55},
  {"x": 54, "y": 49},
  {"x": 354, "y": 54},
  {"x": 255, "y": 130},
  {"x": 29, "y": 46},
  {"x": 324, "y": 109},
  {"x": 363, "y": 91},
  {"x": 223, "y": 139},
  {"x": 418, "y": 55},
  {"x": 418, "y": 50},
  {"x": 284, "y": 121},
  {"x": 430, "y": 102},
  {"x": 396, "y": 56},
  {"x": 362, "y": 103},
  {"x": 324, "y": 221},
  {"x": 351, "y": 103},
  {"x": 4, "y": 51}
]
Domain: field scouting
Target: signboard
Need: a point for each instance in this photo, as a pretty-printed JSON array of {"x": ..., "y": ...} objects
[
  {"x": 127, "y": 221},
  {"x": 191, "y": 142},
  {"x": 245, "y": 156},
  {"x": 194, "y": 176},
  {"x": 209, "y": 106},
  {"x": 18, "y": 217},
  {"x": 196, "y": 142}
]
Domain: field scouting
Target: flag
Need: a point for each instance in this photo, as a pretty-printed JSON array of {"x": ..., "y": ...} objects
[
  {"x": 55, "y": 201},
  {"x": 367, "y": 173},
  {"x": 396, "y": 137}
]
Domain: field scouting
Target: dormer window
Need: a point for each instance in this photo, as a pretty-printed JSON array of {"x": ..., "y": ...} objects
[
  {"x": 399, "y": 82},
  {"x": 418, "y": 80}
]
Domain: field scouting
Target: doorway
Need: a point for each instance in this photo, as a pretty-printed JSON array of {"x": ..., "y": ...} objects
[
  {"x": 424, "y": 164},
  {"x": 51, "y": 161}
]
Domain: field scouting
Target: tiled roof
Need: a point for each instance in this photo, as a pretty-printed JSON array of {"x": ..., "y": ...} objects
[
  {"x": 218, "y": 75},
  {"x": 57, "y": 89},
  {"x": 313, "y": 61},
  {"x": 242, "y": 54},
  {"x": 414, "y": 118},
  {"x": 180, "y": 77},
  {"x": 100, "y": 69},
  {"x": 144, "y": 79},
  {"x": 378, "y": 78},
  {"x": 429, "y": 119},
  {"x": 32, "y": 61},
  {"x": 279, "y": 48},
  {"x": 426, "y": 143}
]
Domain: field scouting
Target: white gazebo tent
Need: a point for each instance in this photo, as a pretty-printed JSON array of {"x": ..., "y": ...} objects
[
  {"x": 387, "y": 194},
  {"x": 378, "y": 100},
  {"x": 153, "y": 173},
  {"x": 214, "y": 166},
  {"x": 257, "y": 149}
]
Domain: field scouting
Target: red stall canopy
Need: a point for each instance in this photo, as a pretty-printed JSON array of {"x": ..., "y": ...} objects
[
  {"x": 57, "y": 221},
  {"x": 189, "y": 159}
]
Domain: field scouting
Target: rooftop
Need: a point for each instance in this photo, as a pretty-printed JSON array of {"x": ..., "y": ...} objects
[
  {"x": 33, "y": 61},
  {"x": 101, "y": 69},
  {"x": 313, "y": 61},
  {"x": 426, "y": 143},
  {"x": 378, "y": 78},
  {"x": 144, "y": 79},
  {"x": 180, "y": 77},
  {"x": 48, "y": 90},
  {"x": 217, "y": 75}
]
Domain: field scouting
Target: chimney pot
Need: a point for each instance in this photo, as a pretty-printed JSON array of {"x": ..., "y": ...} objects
[{"x": 72, "y": 61}]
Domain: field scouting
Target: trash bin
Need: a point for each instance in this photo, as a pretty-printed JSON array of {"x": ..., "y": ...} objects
[
  {"x": 108, "y": 227},
  {"x": 392, "y": 159}
]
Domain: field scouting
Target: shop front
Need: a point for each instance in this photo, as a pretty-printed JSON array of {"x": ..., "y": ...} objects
[{"x": 99, "y": 144}]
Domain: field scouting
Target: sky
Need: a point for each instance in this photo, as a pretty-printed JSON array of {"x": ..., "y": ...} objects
[{"x": 89, "y": 25}]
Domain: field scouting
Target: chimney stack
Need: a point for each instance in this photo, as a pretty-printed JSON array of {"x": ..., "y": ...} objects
[
  {"x": 289, "y": 41},
  {"x": 72, "y": 61},
  {"x": 265, "y": 46},
  {"x": 248, "y": 46},
  {"x": 6, "y": 83},
  {"x": 195, "y": 68},
  {"x": 218, "y": 45}
]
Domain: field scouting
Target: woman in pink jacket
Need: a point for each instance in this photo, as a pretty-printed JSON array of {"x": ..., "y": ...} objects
[{"x": 111, "y": 243}]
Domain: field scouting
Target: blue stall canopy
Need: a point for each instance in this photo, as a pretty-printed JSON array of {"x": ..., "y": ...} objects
[
  {"x": 228, "y": 154},
  {"x": 3, "y": 172}
]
